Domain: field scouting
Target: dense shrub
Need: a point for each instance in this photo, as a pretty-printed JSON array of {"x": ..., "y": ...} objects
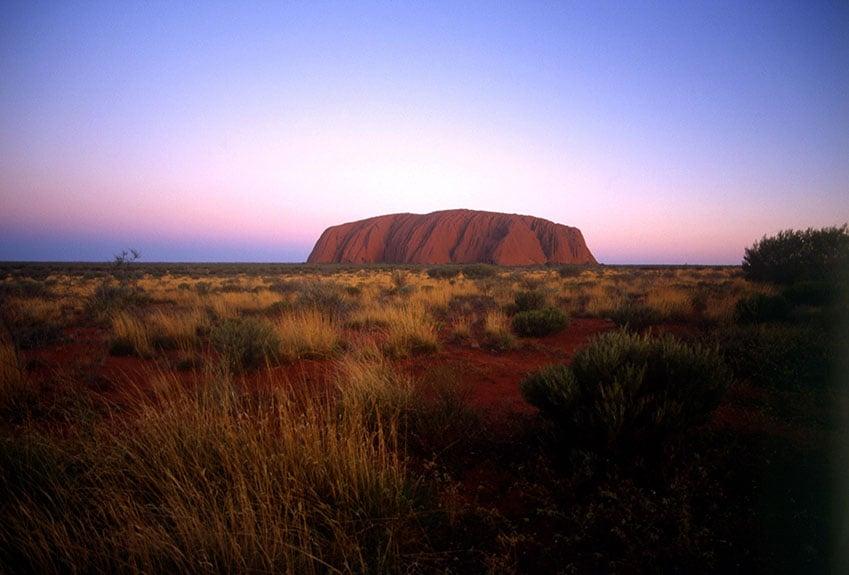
[
  {"x": 814, "y": 293},
  {"x": 625, "y": 391},
  {"x": 244, "y": 343},
  {"x": 527, "y": 300},
  {"x": 762, "y": 308},
  {"x": 794, "y": 255},
  {"x": 539, "y": 322}
]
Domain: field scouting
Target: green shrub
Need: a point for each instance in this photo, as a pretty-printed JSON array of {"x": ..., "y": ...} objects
[
  {"x": 794, "y": 255},
  {"x": 528, "y": 300},
  {"x": 625, "y": 391},
  {"x": 244, "y": 343},
  {"x": 539, "y": 322},
  {"x": 635, "y": 316},
  {"x": 762, "y": 308}
]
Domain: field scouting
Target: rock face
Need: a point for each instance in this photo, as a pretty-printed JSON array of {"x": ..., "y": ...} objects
[{"x": 452, "y": 236}]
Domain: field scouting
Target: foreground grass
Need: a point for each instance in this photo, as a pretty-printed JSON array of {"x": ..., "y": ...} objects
[{"x": 209, "y": 479}]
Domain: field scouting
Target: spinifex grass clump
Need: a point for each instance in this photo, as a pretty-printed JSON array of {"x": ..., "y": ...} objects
[
  {"x": 245, "y": 343},
  {"x": 625, "y": 392},
  {"x": 496, "y": 331},
  {"x": 308, "y": 334},
  {"x": 539, "y": 322},
  {"x": 528, "y": 300}
]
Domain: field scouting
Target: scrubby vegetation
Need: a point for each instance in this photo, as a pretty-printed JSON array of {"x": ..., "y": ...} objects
[
  {"x": 799, "y": 255},
  {"x": 624, "y": 392},
  {"x": 304, "y": 418},
  {"x": 539, "y": 322}
]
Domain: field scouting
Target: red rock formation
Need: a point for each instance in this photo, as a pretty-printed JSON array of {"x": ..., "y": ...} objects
[{"x": 452, "y": 236}]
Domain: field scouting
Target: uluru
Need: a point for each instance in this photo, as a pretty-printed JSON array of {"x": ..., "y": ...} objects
[{"x": 452, "y": 236}]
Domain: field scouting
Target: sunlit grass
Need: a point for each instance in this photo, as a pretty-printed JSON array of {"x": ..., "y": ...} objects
[
  {"x": 308, "y": 333},
  {"x": 409, "y": 330},
  {"x": 497, "y": 332},
  {"x": 206, "y": 477},
  {"x": 130, "y": 335}
]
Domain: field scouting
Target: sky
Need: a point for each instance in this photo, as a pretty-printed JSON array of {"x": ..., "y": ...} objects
[{"x": 667, "y": 132}]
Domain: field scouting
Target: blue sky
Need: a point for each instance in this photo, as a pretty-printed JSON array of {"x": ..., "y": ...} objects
[{"x": 668, "y": 132}]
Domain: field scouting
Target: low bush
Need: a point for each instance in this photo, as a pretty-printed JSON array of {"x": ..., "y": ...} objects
[
  {"x": 759, "y": 308},
  {"x": 528, "y": 300},
  {"x": 245, "y": 343},
  {"x": 539, "y": 322},
  {"x": 625, "y": 391}
]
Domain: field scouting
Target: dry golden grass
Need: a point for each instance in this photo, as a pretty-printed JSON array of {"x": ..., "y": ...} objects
[
  {"x": 497, "y": 331},
  {"x": 409, "y": 329},
  {"x": 130, "y": 335},
  {"x": 33, "y": 310},
  {"x": 179, "y": 328},
  {"x": 229, "y": 305},
  {"x": 206, "y": 478},
  {"x": 308, "y": 333},
  {"x": 462, "y": 328},
  {"x": 372, "y": 387},
  {"x": 11, "y": 370},
  {"x": 670, "y": 302}
]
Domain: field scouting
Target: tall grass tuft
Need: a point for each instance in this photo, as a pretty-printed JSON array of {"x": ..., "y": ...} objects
[
  {"x": 309, "y": 334},
  {"x": 410, "y": 331},
  {"x": 130, "y": 335}
]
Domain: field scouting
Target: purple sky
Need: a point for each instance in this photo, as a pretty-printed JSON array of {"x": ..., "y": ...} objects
[{"x": 238, "y": 132}]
